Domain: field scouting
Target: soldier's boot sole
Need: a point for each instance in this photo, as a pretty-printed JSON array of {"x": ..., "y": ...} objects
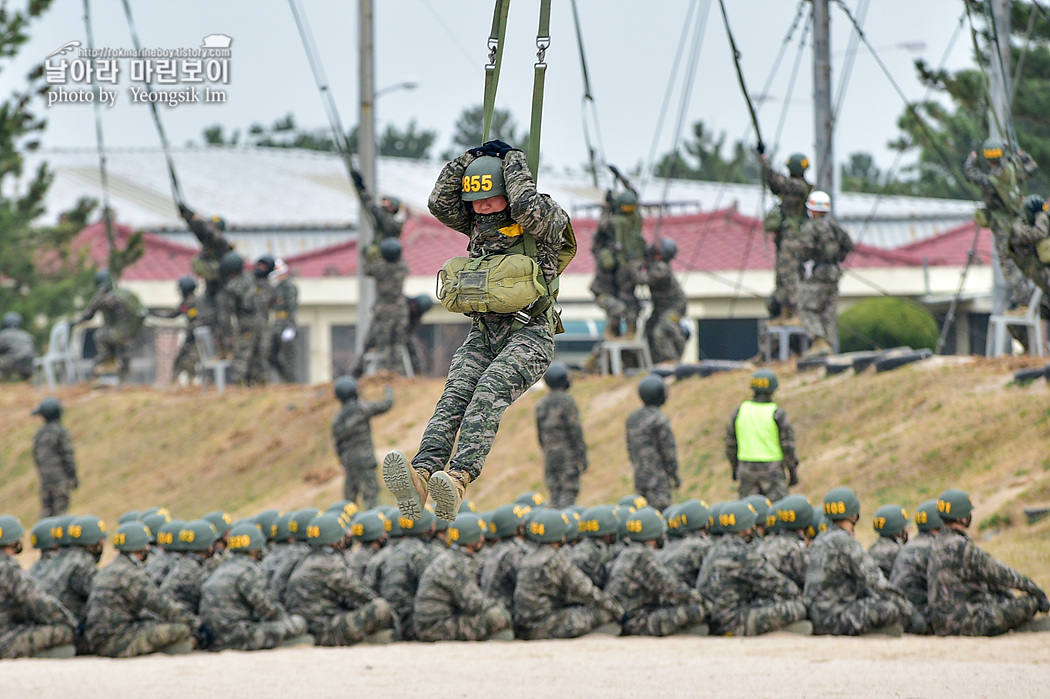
[
  {"x": 802, "y": 628},
  {"x": 698, "y": 630},
  {"x": 380, "y": 638},
  {"x": 405, "y": 484},
  {"x": 609, "y": 629},
  {"x": 64, "y": 651},
  {"x": 180, "y": 648},
  {"x": 447, "y": 489},
  {"x": 894, "y": 630},
  {"x": 304, "y": 639},
  {"x": 1036, "y": 625},
  {"x": 504, "y": 635}
]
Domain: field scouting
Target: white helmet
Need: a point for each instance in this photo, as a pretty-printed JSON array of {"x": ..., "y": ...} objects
[
  {"x": 819, "y": 201},
  {"x": 280, "y": 269}
]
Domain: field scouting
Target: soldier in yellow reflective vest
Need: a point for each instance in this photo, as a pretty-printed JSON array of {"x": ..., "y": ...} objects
[{"x": 760, "y": 443}]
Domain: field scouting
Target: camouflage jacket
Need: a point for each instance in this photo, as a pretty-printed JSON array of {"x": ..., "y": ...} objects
[
  {"x": 640, "y": 583},
  {"x": 787, "y": 551},
  {"x": 285, "y": 304},
  {"x": 235, "y": 593},
  {"x": 999, "y": 188},
  {"x": 297, "y": 551},
  {"x": 909, "y": 569},
  {"x": 122, "y": 593},
  {"x": 386, "y": 224},
  {"x": 884, "y": 552},
  {"x": 158, "y": 564},
  {"x": 595, "y": 558},
  {"x": 684, "y": 557},
  {"x": 17, "y": 346},
  {"x": 558, "y": 426},
  {"x": 323, "y": 587},
  {"x": 535, "y": 213},
  {"x": 499, "y": 575},
  {"x": 274, "y": 559},
  {"x": 1022, "y": 247},
  {"x": 390, "y": 283},
  {"x": 121, "y": 311},
  {"x": 69, "y": 579},
  {"x": 22, "y": 602},
  {"x": 737, "y": 575},
  {"x": 246, "y": 301},
  {"x": 792, "y": 192},
  {"x": 651, "y": 445},
  {"x": 352, "y": 431},
  {"x": 53, "y": 452},
  {"x": 603, "y": 247},
  {"x": 184, "y": 579},
  {"x": 357, "y": 559},
  {"x": 374, "y": 570},
  {"x": 547, "y": 581},
  {"x": 824, "y": 242},
  {"x": 42, "y": 566},
  {"x": 785, "y": 433},
  {"x": 401, "y": 572},
  {"x": 664, "y": 290},
  {"x": 449, "y": 588}
]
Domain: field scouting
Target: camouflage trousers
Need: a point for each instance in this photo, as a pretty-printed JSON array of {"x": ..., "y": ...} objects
[
  {"x": 24, "y": 640},
  {"x": 257, "y": 635},
  {"x": 562, "y": 474},
  {"x": 113, "y": 346},
  {"x": 186, "y": 359},
  {"x": 1020, "y": 288},
  {"x": 763, "y": 478},
  {"x": 361, "y": 481},
  {"x": 664, "y": 336},
  {"x": 626, "y": 276},
  {"x": 251, "y": 350},
  {"x": 654, "y": 487},
  {"x": 282, "y": 353},
  {"x": 139, "y": 638},
  {"x": 567, "y": 622},
  {"x": 54, "y": 496},
  {"x": 993, "y": 617},
  {"x": 819, "y": 309},
  {"x": 466, "y": 627},
  {"x": 349, "y": 628},
  {"x": 918, "y": 622},
  {"x": 416, "y": 355},
  {"x": 387, "y": 338},
  {"x": 614, "y": 308},
  {"x": 663, "y": 621},
  {"x": 788, "y": 280},
  {"x": 757, "y": 619},
  {"x": 16, "y": 368},
  {"x": 857, "y": 618},
  {"x": 492, "y": 368}
]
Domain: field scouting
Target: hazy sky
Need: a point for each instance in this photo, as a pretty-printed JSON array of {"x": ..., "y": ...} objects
[{"x": 441, "y": 44}]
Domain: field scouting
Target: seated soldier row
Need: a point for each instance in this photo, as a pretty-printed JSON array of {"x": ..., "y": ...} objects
[{"x": 523, "y": 571}]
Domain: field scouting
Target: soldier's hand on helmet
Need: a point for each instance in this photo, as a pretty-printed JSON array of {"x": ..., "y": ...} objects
[
  {"x": 498, "y": 148},
  {"x": 185, "y": 211},
  {"x": 358, "y": 180}
]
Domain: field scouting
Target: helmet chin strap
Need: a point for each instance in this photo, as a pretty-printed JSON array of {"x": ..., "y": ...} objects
[{"x": 490, "y": 223}]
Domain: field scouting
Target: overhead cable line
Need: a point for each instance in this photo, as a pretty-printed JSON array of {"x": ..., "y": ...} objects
[
  {"x": 107, "y": 212},
  {"x": 595, "y": 158}
]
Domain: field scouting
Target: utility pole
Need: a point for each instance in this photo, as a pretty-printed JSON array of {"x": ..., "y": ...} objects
[
  {"x": 822, "y": 120},
  {"x": 999, "y": 116},
  {"x": 366, "y": 152}
]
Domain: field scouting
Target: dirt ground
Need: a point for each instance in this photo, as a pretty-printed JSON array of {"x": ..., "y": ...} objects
[{"x": 777, "y": 665}]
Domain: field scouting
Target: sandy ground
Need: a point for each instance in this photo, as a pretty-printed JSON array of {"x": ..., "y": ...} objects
[{"x": 777, "y": 665}]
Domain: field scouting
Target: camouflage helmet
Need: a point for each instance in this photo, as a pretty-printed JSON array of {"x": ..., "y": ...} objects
[
  {"x": 547, "y": 526},
  {"x": 764, "y": 382},
  {"x": 890, "y": 520},
  {"x": 198, "y": 535},
  {"x": 599, "y": 521},
  {"x": 369, "y": 526},
  {"x": 468, "y": 528},
  {"x": 346, "y": 507},
  {"x": 299, "y": 520},
  {"x": 690, "y": 516},
  {"x": 345, "y": 389},
  {"x": 714, "y": 517},
  {"x": 645, "y": 524},
  {"x": 87, "y": 531},
  {"x": 60, "y": 529},
  {"x": 557, "y": 375},
  {"x": 245, "y": 537},
  {"x": 992, "y": 148},
  {"x": 11, "y": 530},
  {"x": 954, "y": 505},
  {"x": 49, "y": 409},
  {"x": 220, "y": 520},
  {"x": 841, "y": 503},
  {"x": 927, "y": 518},
  {"x": 390, "y": 249},
  {"x": 634, "y": 500},
  {"x": 507, "y": 520},
  {"x": 818, "y": 524},
  {"x": 231, "y": 264},
  {"x": 1033, "y": 204},
  {"x": 797, "y": 164},
  {"x": 129, "y": 516},
  {"x": 131, "y": 536},
  {"x": 167, "y": 535},
  {"x": 266, "y": 519},
  {"x": 12, "y": 319},
  {"x": 154, "y": 522},
  {"x": 652, "y": 390},
  {"x": 533, "y": 499},
  {"x": 765, "y": 515},
  {"x": 794, "y": 512},
  {"x": 483, "y": 178},
  {"x": 187, "y": 285},
  {"x": 326, "y": 529},
  {"x": 418, "y": 527},
  {"x": 737, "y": 516},
  {"x": 40, "y": 535}
]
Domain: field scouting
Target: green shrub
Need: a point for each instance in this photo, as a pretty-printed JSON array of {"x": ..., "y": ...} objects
[{"x": 879, "y": 323}]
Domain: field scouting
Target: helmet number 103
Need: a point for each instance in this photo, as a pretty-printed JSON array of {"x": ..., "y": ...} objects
[{"x": 477, "y": 183}]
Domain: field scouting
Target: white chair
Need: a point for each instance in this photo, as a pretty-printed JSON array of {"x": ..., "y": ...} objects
[
  {"x": 59, "y": 352},
  {"x": 784, "y": 333},
  {"x": 206, "y": 350},
  {"x": 997, "y": 340},
  {"x": 372, "y": 359},
  {"x": 611, "y": 354}
]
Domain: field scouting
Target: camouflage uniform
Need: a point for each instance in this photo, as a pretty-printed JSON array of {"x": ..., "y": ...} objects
[
  {"x": 824, "y": 244},
  {"x": 451, "y": 607},
  {"x": 969, "y": 591},
  {"x": 293, "y": 556},
  {"x": 17, "y": 350},
  {"x": 69, "y": 580},
  {"x": 241, "y": 612},
  {"x": 374, "y": 570},
  {"x": 339, "y": 609},
  {"x": 499, "y": 574},
  {"x": 187, "y": 358},
  {"x": 42, "y": 566},
  {"x": 357, "y": 559},
  {"x": 786, "y": 550},
  {"x": 1021, "y": 246},
  {"x": 845, "y": 591},
  {"x": 603, "y": 247},
  {"x": 30, "y": 619},
  {"x": 655, "y": 602},
  {"x": 388, "y": 331},
  {"x": 385, "y": 223},
  {"x": 746, "y": 594},
  {"x": 595, "y": 558},
  {"x": 909, "y": 576},
  {"x": 662, "y": 330},
  {"x": 497, "y": 361},
  {"x": 274, "y": 558},
  {"x": 651, "y": 445},
  {"x": 53, "y": 454},
  {"x": 630, "y": 256},
  {"x": 763, "y": 477},
  {"x": 564, "y": 451},
  {"x": 122, "y": 613},
  {"x": 793, "y": 192},
  {"x": 122, "y": 316},
  {"x": 184, "y": 579},
  {"x": 282, "y": 351},
  {"x": 158, "y": 564},
  {"x": 352, "y": 433},
  {"x": 245, "y": 303},
  {"x": 399, "y": 579},
  {"x": 554, "y": 599},
  {"x": 206, "y": 266},
  {"x": 684, "y": 557},
  {"x": 884, "y": 552}
]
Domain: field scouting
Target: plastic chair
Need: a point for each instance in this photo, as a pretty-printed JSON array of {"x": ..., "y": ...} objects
[
  {"x": 372, "y": 359},
  {"x": 611, "y": 353},
  {"x": 59, "y": 352},
  {"x": 206, "y": 351},
  {"x": 997, "y": 341}
]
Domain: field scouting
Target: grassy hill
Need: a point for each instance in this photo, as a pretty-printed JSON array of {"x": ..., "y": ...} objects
[{"x": 900, "y": 437}]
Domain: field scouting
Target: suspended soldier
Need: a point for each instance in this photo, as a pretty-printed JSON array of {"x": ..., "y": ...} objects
[
  {"x": 1001, "y": 194},
  {"x": 785, "y": 223},
  {"x": 206, "y": 265},
  {"x": 665, "y": 331},
  {"x": 489, "y": 195},
  {"x": 387, "y": 336},
  {"x": 245, "y": 300},
  {"x": 53, "y": 455},
  {"x": 283, "y": 331},
  {"x": 910, "y": 566},
  {"x": 17, "y": 349},
  {"x": 561, "y": 438},
  {"x": 651, "y": 446},
  {"x": 187, "y": 358},
  {"x": 760, "y": 442},
  {"x": 1029, "y": 245},
  {"x": 122, "y": 320},
  {"x": 891, "y": 524},
  {"x": 603, "y": 247},
  {"x": 352, "y": 434},
  {"x": 823, "y": 246},
  {"x": 385, "y": 214}
]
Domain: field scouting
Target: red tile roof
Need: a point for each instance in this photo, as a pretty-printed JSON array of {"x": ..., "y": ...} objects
[{"x": 160, "y": 258}]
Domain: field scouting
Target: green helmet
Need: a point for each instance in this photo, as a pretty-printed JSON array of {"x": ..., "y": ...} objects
[
  {"x": 1033, "y": 204},
  {"x": 467, "y": 506},
  {"x": 246, "y": 537},
  {"x": 468, "y": 528},
  {"x": 390, "y": 249},
  {"x": 60, "y": 529},
  {"x": 818, "y": 524},
  {"x": 346, "y": 507},
  {"x": 714, "y": 517},
  {"x": 954, "y": 504},
  {"x": 645, "y": 524},
  {"x": 841, "y": 503},
  {"x": 231, "y": 264},
  {"x": 418, "y": 527},
  {"x": 49, "y": 409},
  {"x": 167, "y": 535},
  {"x": 634, "y": 501},
  {"x": 794, "y": 512},
  {"x": 533, "y": 499},
  {"x": 507, "y": 520},
  {"x": 198, "y": 535},
  {"x": 599, "y": 521},
  {"x": 266, "y": 520},
  {"x": 299, "y": 521},
  {"x": 131, "y": 536},
  {"x": 483, "y": 178},
  {"x": 129, "y": 516},
  {"x": 40, "y": 535},
  {"x": 574, "y": 533},
  {"x": 764, "y": 382},
  {"x": 345, "y": 389},
  {"x": 737, "y": 516},
  {"x": 370, "y": 525},
  {"x": 557, "y": 375},
  {"x": 103, "y": 278},
  {"x": 187, "y": 285},
  {"x": 393, "y": 202},
  {"x": 765, "y": 515},
  {"x": 87, "y": 531},
  {"x": 890, "y": 520},
  {"x": 927, "y": 518},
  {"x": 12, "y": 320},
  {"x": 668, "y": 514},
  {"x": 797, "y": 164},
  {"x": 992, "y": 149},
  {"x": 393, "y": 529},
  {"x": 626, "y": 202},
  {"x": 154, "y": 522},
  {"x": 652, "y": 390},
  {"x": 11, "y": 530},
  {"x": 326, "y": 529},
  {"x": 547, "y": 526},
  {"x": 158, "y": 510},
  {"x": 690, "y": 516},
  {"x": 280, "y": 530}
]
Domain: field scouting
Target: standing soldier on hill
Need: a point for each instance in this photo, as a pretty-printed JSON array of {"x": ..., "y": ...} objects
[
  {"x": 823, "y": 245},
  {"x": 17, "y": 349},
  {"x": 628, "y": 251},
  {"x": 282, "y": 332},
  {"x": 651, "y": 446},
  {"x": 53, "y": 454},
  {"x": 187, "y": 358},
  {"x": 352, "y": 433},
  {"x": 663, "y": 328},
  {"x": 206, "y": 265},
  {"x": 561, "y": 438},
  {"x": 793, "y": 192},
  {"x": 388, "y": 330},
  {"x": 122, "y": 316},
  {"x": 760, "y": 443}
]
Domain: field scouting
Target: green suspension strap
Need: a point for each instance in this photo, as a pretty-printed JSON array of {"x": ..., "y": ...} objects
[
  {"x": 492, "y": 68},
  {"x": 543, "y": 42}
]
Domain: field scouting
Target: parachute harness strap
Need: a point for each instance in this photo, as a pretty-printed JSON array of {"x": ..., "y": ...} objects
[
  {"x": 543, "y": 42},
  {"x": 492, "y": 68}
]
